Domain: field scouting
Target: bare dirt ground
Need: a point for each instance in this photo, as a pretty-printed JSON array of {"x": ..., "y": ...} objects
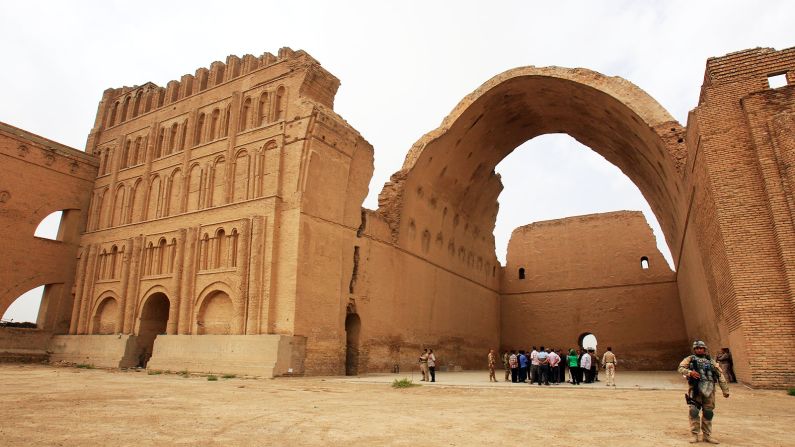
[{"x": 65, "y": 406}]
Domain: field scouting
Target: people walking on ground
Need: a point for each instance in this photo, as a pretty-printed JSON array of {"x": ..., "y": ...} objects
[
  {"x": 513, "y": 361},
  {"x": 506, "y": 365},
  {"x": 574, "y": 366},
  {"x": 702, "y": 373},
  {"x": 726, "y": 364},
  {"x": 609, "y": 364},
  {"x": 424, "y": 365},
  {"x": 585, "y": 366},
  {"x": 492, "y": 363},
  {"x": 432, "y": 365}
]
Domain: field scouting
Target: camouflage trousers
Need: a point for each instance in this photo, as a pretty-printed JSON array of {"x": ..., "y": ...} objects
[{"x": 704, "y": 423}]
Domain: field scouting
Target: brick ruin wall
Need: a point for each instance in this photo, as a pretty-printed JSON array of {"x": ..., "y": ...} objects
[
  {"x": 600, "y": 274},
  {"x": 40, "y": 177},
  {"x": 740, "y": 142}
]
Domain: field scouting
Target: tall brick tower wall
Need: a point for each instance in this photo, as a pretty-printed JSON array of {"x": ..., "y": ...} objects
[{"x": 741, "y": 145}]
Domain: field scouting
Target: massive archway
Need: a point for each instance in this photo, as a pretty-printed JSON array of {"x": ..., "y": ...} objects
[
  {"x": 439, "y": 213},
  {"x": 448, "y": 175}
]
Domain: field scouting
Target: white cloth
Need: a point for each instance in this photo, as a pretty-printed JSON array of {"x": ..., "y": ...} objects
[
  {"x": 534, "y": 357},
  {"x": 585, "y": 362}
]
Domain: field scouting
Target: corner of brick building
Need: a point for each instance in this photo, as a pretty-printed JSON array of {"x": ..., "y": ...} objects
[{"x": 742, "y": 140}]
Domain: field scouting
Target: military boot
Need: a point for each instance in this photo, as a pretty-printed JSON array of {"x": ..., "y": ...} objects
[
  {"x": 710, "y": 440},
  {"x": 693, "y": 438}
]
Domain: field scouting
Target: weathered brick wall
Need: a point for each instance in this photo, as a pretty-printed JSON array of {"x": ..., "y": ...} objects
[
  {"x": 585, "y": 274},
  {"x": 38, "y": 177},
  {"x": 747, "y": 234}
]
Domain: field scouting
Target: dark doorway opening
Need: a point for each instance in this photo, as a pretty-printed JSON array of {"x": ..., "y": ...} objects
[
  {"x": 153, "y": 322},
  {"x": 353, "y": 325}
]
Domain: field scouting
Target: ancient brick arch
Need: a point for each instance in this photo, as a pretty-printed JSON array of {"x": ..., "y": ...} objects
[{"x": 452, "y": 167}]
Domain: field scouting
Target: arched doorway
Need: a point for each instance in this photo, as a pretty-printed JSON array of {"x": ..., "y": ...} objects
[
  {"x": 153, "y": 322},
  {"x": 587, "y": 340},
  {"x": 353, "y": 325}
]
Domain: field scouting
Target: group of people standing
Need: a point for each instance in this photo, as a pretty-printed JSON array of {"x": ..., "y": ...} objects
[{"x": 548, "y": 366}]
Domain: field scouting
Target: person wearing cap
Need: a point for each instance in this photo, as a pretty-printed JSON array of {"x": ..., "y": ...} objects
[{"x": 702, "y": 373}]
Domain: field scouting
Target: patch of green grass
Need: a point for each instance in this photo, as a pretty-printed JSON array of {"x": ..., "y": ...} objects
[
  {"x": 403, "y": 383},
  {"x": 212, "y": 378},
  {"x": 154, "y": 372},
  {"x": 791, "y": 391},
  {"x": 228, "y": 376},
  {"x": 84, "y": 366}
]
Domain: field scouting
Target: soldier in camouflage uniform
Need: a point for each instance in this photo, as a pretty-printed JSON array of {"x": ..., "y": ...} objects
[
  {"x": 702, "y": 372},
  {"x": 505, "y": 364}
]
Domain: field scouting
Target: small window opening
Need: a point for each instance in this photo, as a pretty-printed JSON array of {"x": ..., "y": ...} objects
[
  {"x": 644, "y": 263},
  {"x": 521, "y": 273},
  {"x": 776, "y": 81}
]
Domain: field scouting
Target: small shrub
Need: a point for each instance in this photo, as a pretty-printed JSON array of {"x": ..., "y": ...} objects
[
  {"x": 84, "y": 366},
  {"x": 184, "y": 373},
  {"x": 229, "y": 376},
  {"x": 791, "y": 391},
  {"x": 403, "y": 383},
  {"x": 154, "y": 372},
  {"x": 212, "y": 378}
]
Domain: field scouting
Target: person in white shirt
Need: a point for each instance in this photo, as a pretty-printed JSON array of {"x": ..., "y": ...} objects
[
  {"x": 585, "y": 365},
  {"x": 554, "y": 366},
  {"x": 534, "y": 367}
]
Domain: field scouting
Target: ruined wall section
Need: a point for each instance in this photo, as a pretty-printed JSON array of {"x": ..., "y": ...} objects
[
  {"x": 38, "y": 177},
  {"x": 407, "y": 302},
  {"x": 335, "y": 171},
  {"x": 748, "y": 235},
  {"x": 599, "y": 274}
]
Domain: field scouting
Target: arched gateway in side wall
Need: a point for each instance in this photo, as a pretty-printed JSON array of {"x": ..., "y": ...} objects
[{"x": 269, "y": 163}]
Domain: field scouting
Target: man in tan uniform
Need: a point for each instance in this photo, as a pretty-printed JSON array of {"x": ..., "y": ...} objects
[
  {"x": 424, "y": 365},
  {"x": 702, "y": 372},
  {"x": 609, "y": 364}
]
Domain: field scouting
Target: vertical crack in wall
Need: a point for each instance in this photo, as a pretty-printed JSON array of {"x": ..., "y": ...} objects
[
  {"x": 355, "y": 273},
  {"x": 362, "y": 226}
]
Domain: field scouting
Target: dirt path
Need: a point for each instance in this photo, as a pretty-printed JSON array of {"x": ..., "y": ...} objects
[{"x": 42, "y": 405}]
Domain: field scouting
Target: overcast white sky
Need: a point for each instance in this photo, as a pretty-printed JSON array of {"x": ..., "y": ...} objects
[{"x": 403, "y": 66}]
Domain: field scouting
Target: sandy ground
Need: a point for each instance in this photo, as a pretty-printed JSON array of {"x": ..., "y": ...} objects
[{"x": 64, "y": 406}]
